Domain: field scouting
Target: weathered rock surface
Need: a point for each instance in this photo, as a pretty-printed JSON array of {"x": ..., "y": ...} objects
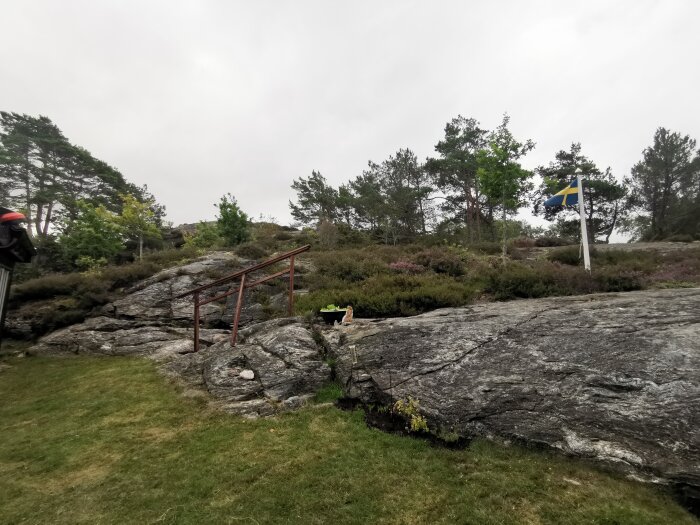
[
  {"x": 109, "y": 336},
  {"x": 277, "y": 367},
  {"x": 154, "y": 299},
  {"x": 612, "y": 377}
]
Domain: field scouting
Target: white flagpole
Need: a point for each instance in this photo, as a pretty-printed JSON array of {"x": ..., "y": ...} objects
[{"x": 584, "y": 233}]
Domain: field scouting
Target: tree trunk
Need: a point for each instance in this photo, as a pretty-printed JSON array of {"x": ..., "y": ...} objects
[
  {"x": 28, "y": 195},
  {"x": 612, "y": 225},
  {"x": 140, "y": 246},
  {"x": 478, "y": 209}
]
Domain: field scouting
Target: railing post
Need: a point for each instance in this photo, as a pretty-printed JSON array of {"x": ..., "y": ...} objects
[
  {"x": 196, "y": 321},
  {"x": 291, "y": 286},
  {"x": 237, "y": 313}
]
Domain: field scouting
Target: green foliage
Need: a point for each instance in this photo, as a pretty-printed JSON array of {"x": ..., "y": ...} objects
[
  {"x": 171, "y": 256},
  {"x": 251, "y": 250},
  {"x": 206, "y": 235},
  {"x": 665, "y": 188},
  {"x": 332, "y": 308},
  {"x": 549, "y": 241},
  {"x": 47, "y": 286},
  {"x": 349, "y": 265},
  {"x": 487, "y": 248},
  {"x": 569, "y": 255},
  {"x": 128, "y": 274},
  {"x": 440, "y": 261},
  {"x": 138, "y": 220},
  {"x": 316, "y": 200},
  {"x": 544, "y": 279},
  {"x": 390, "y": 200},
  {"x": 454, "y": 173},
  {"x": 232, "y": 223},
  {"x": 391, "y": 295},
  {"x": 94, "y": 235},
  {"x": 501, "y": 177},
  {"x": 602, "y": 195},
  {"x": 680, "y": 237},
  {"x": 96, "y": 440},
  {"x": 48, "y": 177},
  {"x": 410, "y": 409}
]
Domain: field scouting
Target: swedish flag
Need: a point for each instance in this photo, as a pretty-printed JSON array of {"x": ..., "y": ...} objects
[{"x": 566, "y": 197}]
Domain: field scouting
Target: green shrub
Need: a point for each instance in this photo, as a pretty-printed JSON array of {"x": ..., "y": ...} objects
[
  {"x": 522, "y": 242},
  {"x": 51, "y": 321},
  {"x": 393, "y": 295},
  {"x": 569, "y": 255},
  {"x": 440, "y": 261},
  {"x": 547, "y": 242},
  {"x": 544, "y": 279},
  {"x": 349, "y": 265},
  {"x": 614, "y": 281},
  {"x": 637, "y": 260},
  {"x": 206, "y": 235},
  {"x": 47, "y": 286},
  {"x": 171, "y": 256},
  {"x": 517, "y": 280},
  {"x": 128, "y": 274},
  {"x": 410, "y": 409},
  {"x": 251, "y": 250},
  {"x": 487, "y": 248},
  {"x": 283, "y": 236},
  {"x": 680, "y": 237}
]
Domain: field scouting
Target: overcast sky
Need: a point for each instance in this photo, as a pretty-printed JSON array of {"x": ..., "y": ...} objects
[{"x": 197, "y": 99}]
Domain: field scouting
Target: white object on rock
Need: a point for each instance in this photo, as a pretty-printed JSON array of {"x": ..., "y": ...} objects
[{"x": 247, "y": 374}]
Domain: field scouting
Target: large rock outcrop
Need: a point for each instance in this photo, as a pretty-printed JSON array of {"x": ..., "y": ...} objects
[
  {"x": 613, "y": 377},
  {"x": 278, "y": 366}
]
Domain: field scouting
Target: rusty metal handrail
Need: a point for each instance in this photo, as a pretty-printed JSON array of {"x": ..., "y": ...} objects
[{"x": 242, "y": 287}]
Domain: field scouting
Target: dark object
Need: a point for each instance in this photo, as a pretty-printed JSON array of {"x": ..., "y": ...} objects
[
  {"x": 244, "y": 284},
  {"x": 331, "y": 316},
  {"x": 15, "y": 247}
]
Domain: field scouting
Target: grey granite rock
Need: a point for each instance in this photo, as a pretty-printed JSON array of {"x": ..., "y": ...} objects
[{"x": 613, "y": 377}]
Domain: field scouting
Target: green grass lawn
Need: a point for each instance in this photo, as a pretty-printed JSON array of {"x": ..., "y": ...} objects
[{"x": 108, "y": 440}]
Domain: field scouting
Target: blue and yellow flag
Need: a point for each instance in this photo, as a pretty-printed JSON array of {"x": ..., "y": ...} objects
[{"x": 566, "y": 197}]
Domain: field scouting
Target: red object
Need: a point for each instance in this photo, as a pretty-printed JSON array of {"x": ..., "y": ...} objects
[{"x": 12, "y": 216}]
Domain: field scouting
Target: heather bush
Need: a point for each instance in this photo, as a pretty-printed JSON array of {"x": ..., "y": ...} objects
[
  {"x": 393, "y": 295},
  {"x": 251, "y": 250},
  {"x": 406, "y": 267},
  {"x": 517, "y": 280},
  {"x": 440, "y": 261},
  {"x": 544, "y": 279},
  {"x": 171, "y": 256},
  {"x": 486, "y": 248},
  {"x": 522, "y": 242},
  {"x": 680, "y": 237},
  {"x": 123, "y": 276},
  {"x": 569, "y": 255},
  {"x": 47, "y": 286},
  {"x": 548, "y": 241},
  {"x": 350, "y": 265}
]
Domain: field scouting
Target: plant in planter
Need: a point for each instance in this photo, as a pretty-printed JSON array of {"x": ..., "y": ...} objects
[{"x": 333, "y": 313}]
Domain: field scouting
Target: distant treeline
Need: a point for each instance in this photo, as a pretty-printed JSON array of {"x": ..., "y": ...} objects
[
  {"x": 80, "y": 210},
  {"x": 475, "y": 182}
]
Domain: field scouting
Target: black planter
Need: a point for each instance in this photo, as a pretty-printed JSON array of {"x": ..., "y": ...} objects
[{"x": 335, "y": 315}]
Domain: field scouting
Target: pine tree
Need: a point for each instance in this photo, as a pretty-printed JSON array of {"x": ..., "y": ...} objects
[{"x": 602, "y": 195}]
